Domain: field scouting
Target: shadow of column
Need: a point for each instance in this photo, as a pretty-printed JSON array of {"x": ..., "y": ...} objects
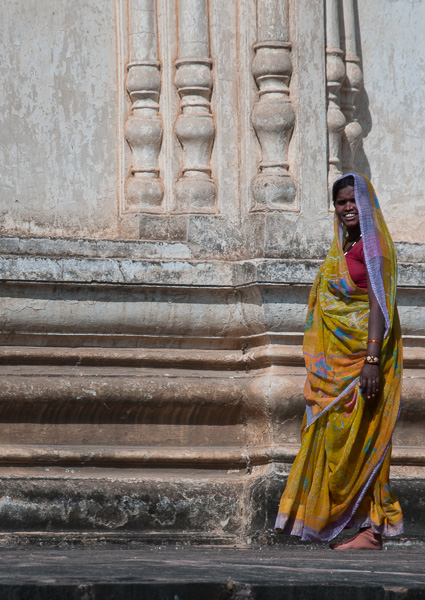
[
  {"x": 361, "y": 100},
  {"x": 362, "y": 109}
]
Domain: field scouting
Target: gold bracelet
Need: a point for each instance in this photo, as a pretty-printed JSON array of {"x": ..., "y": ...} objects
[
  {"x": 375, "y": 342},
  {"x": 372, "y": 360}
]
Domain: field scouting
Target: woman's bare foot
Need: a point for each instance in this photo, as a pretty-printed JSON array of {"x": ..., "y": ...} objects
[{"x": 364, "y": 539}]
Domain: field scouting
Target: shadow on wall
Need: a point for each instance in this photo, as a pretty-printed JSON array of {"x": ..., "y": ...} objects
[
  {"x": 354, "y": 97},
  {"x": 362, "y": 109}
]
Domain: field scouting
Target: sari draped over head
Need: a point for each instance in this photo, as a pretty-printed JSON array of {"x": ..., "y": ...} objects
[{"x": 340, "y": 477}]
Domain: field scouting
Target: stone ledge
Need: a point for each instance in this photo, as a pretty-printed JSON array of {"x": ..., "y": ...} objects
[
  {"x": 166, "y": 272},
  {"x": 255, "y": 358},
  {"x": 125, "y": 456},
  {"x": 208, "y": 591},
  {"x": 174, "y": 457},
  {"x": 21, "y": 245},
  {"x": 169, "y": 504},
  {"x": 296, "y": 572},
  {"x": 258, "y": 357},
  {"x": 102, "y": 539},
  {"x": 91, "y": 248}
]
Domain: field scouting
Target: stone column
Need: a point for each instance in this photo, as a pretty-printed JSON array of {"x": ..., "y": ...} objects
[
  {"x": 351, "y": 86},
  {"x": 144, "y": 189},
  {"x": 195, "y": 189},
  {"x": 335, "y": 75},
  {"x": 273, "y": 116}
]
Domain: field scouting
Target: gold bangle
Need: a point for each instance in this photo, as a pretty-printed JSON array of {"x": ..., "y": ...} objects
[
  {"x": 374, "y": 341},
  {"x": 372, "y": 360}
]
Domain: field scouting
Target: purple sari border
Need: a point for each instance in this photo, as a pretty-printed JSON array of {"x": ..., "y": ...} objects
[
  {"x": 333, "y": 529},
  {"x": 285, "y": 525},
  {"x": 371, "y": 245},
  {"x": 313, "y": 418}
]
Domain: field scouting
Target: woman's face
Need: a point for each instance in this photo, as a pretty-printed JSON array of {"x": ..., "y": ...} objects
[{"x": 346, "y": 209}]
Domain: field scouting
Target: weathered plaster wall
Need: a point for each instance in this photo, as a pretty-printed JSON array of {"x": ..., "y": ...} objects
[
  {"x": 155, "y": 276},
  {"x": 59, "y": 121},
  {"x": 391, "y": 110}
]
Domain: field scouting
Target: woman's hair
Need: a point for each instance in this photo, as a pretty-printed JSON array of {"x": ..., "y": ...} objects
[{"x": 340, "y": 184}]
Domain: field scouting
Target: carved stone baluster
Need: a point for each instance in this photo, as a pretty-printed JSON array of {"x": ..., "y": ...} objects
[
  {"x": 143, "y": 131},
  {"x": 335, "y": 74},
  {"x": 195, "y": 190},
  {"x": 351, "y": 86},
  {"x": 273, "y": 116}
]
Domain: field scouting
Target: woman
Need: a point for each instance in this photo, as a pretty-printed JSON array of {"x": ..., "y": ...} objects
[{"x": 353, "y": 355}]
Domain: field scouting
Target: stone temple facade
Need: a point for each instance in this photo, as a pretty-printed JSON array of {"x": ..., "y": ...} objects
[{"x": 164, "y": 199}]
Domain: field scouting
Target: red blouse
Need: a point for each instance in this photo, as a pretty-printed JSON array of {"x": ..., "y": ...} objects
[{"x": 357, "y": 265}]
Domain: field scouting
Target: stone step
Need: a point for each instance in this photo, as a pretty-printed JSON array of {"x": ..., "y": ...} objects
[
  {"x": 59, "y": 504},
  {"x": 302, "y": 572}
]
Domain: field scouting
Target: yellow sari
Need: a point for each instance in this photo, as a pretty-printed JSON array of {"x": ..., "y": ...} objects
[{"x": 340, "y": 477}]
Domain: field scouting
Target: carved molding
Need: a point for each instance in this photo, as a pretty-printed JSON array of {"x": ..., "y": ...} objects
[
  {"x": 143, "y": 130},
  {"x": 273, "y": 117},
  {"x": 351, "y": 86},
  {"x": 195, "y": 130},
  {"x": 335, "y": 75}
]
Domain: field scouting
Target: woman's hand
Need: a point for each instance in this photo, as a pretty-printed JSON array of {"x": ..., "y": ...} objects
[{"x": 369, "y": 381}]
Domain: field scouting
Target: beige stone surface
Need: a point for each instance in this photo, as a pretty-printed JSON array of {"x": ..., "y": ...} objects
[
  {"x": 59, "y": 123},
  {"x": 391, "y": 110},
  {"x": 164, "y": 209}
]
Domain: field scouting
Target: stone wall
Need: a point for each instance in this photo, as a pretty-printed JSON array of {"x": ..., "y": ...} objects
[{"x": 165, "y": 169}]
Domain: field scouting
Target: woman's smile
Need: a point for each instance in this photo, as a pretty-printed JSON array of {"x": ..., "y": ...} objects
[{"x": 346, "y": 210}]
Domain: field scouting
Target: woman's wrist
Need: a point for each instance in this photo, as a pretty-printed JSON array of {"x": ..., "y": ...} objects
[
  {"x": 370, "y": 359},
  {"x": 373, "y": 348}
]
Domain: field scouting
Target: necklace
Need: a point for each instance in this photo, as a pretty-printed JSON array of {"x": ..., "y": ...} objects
[{"x": 353, "y": 244}]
